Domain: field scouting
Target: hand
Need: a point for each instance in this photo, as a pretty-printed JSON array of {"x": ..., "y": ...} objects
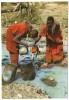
[
  {"x": 26, "y": 46},
  {"x": 58, "y": 40}
]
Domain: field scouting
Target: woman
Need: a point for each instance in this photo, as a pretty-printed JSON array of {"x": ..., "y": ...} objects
[
  {"x": 54, "y": 44},
  {"x": 13, "y": 39}
]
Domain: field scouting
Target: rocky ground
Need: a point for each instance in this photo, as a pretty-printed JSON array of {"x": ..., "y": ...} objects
[{"x": 20, "y": 91}]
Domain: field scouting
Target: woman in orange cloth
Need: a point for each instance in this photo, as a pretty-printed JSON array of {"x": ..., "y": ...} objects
[
  {"x": 13, "y": 37},
  {"x": 54, "y": 44}
]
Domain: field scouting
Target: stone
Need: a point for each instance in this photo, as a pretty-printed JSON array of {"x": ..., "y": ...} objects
[
  {"x": 39, "y": 91},
  {"x": 19, "y": 96},
  {"x": 49, "y": 81}
]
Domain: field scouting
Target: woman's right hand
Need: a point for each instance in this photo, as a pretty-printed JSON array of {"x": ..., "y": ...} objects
[{"x": 58, "y": 40}]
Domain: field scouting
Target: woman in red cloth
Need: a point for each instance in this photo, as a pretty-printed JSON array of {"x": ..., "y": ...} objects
[
  {"x": 54, "y": 44},
  {"x": 13, "y": 37}
]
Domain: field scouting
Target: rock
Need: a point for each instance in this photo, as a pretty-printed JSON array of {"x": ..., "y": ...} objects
[
  {"x": 49, "y": 81},
  {"x": 19, "y": 96},
  {"x": 42, "y": 92},
  {"x": 39, "y": 91},
  {"x": 51, "y": 78}
]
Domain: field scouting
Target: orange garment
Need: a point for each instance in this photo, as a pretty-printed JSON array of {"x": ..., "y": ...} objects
[
  {"x": 12, "y": 31},
  {"x": 54, "y": 49},
  {"x": 14, "y": 58},
  {"x": 11, "y": 46}
]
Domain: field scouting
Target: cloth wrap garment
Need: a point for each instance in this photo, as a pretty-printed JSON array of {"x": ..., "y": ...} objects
[
  {"x": 11, "y": 46},
  {"x": 54, "y": 49}
]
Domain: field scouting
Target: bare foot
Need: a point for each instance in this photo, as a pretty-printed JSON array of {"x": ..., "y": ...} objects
[
  {"x": 44, "y": 65},
  {"x": 47, "y": 65},
  {"x": 50, "y": 65},
  {"x": 64, "y": 62}
]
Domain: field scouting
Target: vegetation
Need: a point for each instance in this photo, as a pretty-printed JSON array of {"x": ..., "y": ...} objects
[
  {"x": 35, "y": 13},
  {"x": 26, "y": 11}
]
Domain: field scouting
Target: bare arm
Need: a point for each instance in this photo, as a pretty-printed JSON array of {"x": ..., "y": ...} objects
[
  {"x": 17, "y": 40},
  {"x": 38, "y": 38}
]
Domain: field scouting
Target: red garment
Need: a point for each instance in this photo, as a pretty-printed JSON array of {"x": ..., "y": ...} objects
[
  {"x": 53, "y": 48},
  {"x": 14, "y": 58},
  {"x": 12, "y": 31}
]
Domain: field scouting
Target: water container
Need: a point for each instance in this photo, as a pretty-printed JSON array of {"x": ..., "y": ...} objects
[
  {"x": 9, "y": 72},
  {"x": 27, "y": 69}
]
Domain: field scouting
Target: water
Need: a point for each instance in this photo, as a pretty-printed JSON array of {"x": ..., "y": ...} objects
[{"x": 59, "y": 73}]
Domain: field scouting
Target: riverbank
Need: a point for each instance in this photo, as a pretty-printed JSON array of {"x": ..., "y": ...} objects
[
  {"x": 22, "y": 91},
  {"x": 36, "y": 88}
]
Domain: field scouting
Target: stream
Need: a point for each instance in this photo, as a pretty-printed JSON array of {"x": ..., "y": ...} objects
[{"x": 60, "y": 74}]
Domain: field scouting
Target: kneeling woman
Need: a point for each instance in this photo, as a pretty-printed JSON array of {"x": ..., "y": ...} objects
[{"x": 54, "y": 40}]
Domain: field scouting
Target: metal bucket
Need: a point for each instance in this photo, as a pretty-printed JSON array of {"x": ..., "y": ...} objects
[
  {"x": 9, "y": 72},
  {"x": 27, "y": 69}
]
